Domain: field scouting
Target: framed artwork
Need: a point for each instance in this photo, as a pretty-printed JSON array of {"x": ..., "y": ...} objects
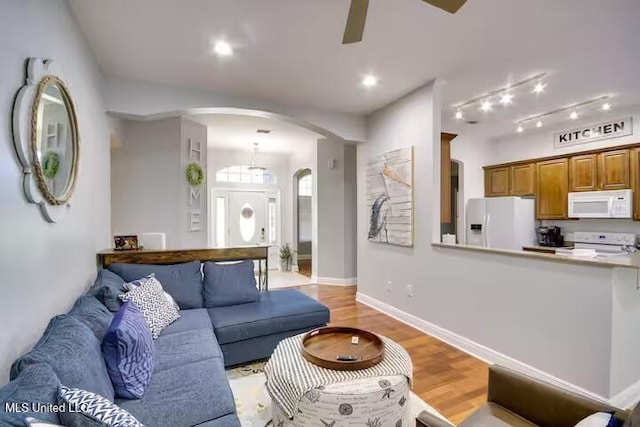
[
  {"x": 390, "y": 197},
  {"x": 125, "y": 243}
]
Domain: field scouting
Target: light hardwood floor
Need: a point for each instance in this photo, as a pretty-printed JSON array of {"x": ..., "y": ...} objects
[{"x": 449, "y": 380}]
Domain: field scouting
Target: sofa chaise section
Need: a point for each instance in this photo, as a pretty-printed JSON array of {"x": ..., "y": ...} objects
[{"x": 251, "y": 331}]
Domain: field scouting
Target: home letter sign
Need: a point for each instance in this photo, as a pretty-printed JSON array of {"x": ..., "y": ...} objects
[{"x": 597, "y": 132}]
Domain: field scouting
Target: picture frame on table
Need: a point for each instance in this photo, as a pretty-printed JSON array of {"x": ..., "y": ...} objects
[{"x": 126, "y": 243}]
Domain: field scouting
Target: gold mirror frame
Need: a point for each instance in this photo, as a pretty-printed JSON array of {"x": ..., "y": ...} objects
[{"x": 37, "y": 165}]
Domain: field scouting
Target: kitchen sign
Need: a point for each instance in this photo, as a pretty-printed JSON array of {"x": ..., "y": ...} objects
[{"x": 597, "y": 132}]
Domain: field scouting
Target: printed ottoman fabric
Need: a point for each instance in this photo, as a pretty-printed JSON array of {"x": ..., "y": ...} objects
[
  {"x": 149, "y": 298},
  {"x": 366, "y": 402}
]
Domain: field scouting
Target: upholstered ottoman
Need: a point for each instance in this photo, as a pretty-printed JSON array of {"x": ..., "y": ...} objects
[{"x": 366, "y": 402}]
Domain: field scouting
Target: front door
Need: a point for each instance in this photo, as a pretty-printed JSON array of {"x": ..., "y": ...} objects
[{"x": 247, "y": 218}]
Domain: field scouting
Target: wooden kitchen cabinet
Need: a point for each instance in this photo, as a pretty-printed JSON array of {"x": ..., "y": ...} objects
[
  {"x": 446, "y": 215},
  {"x": 523, "y": 179},
  {"x": 613, "y": 170},
  {"x": 552, "y": 189},
  {"x": 583, "y": 173},
  {"x": 634, "y": 176},
  {"x": 496, "y": 181}
]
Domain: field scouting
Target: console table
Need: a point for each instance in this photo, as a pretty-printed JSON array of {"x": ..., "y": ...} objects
[{"x": 174, "y": 256}]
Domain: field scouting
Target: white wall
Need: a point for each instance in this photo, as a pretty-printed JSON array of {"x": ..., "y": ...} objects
[
  {"x": 145, "y": 99},
  {"x": 335, "y": 211},
  {"x": 148, "y": 184},
  {"x": 551, "y": 316},
  {"x": 46, "y": 266}
]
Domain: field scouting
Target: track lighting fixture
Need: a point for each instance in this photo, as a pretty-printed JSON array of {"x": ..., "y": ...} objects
[
  {"x": 503, "y": 95},
  {"x": 486, "y": 105},
  {"x": 537, "y": 119},
  {"x": 539, "y": 87}
]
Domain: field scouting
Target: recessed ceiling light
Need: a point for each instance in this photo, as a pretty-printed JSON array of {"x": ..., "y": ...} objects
[
  {"x": 369, "y": 81},
  {"x": 539, "y": 87},
  {"x": 506, "y": 98},
  {"x": 486, "y": 105},
  {"x": 459, "y": 114},
  {"x": 606, "y": 106},
  {"x": 539, "y": 124},
  {"x": 573, "y": 115},
  {"x": 520, "y": 129},
  {"x": 223, "y": 48}
]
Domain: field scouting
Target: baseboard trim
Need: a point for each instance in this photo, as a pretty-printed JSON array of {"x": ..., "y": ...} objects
[
  {"x": 628, "y": 397},
  {"x": 335, "y": 281},
  {"x": 304, "y": 257},
  {"x": 622, "y": 400}
]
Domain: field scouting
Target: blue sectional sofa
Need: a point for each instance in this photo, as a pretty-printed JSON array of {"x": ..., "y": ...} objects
[{"x": 189, "y": 386}]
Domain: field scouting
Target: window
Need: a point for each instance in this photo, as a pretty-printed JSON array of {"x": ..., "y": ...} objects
[
  {"x": 221, "y": 229},
  {"x": 272, "y": 212},
  {"x": 305, "y": 186},
  {"x": 247, "y": 222},
  {"x": 242, "y": 174}
]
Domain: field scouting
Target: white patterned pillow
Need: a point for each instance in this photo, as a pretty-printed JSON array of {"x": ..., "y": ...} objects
[
  {"x": 150, "y": 300},
  {"x": 93, "y": 410},
  {"x": 132, "y": 285},
  {"x": 32, "y": 422}
]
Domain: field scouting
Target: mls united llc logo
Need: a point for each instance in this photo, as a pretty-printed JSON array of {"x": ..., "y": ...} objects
[{"x": 37, "y": 407}]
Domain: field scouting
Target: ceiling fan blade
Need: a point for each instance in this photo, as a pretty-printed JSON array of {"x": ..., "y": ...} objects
[
  {"x": 450, "y": 6},
  {"x": 355, "y": 21}
]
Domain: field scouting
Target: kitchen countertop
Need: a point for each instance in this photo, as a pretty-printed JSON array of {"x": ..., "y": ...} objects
[{"x": 629, "y": 261}]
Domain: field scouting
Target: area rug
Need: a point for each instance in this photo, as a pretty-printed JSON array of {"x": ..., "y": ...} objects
[{"x": 253, "y": 403}]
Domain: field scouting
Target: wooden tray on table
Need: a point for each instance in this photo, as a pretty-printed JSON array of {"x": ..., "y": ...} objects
[{"x": 326, "y": 347}]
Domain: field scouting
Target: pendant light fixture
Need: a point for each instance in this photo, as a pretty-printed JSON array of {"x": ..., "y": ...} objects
[{"x": 253, "y": 166}]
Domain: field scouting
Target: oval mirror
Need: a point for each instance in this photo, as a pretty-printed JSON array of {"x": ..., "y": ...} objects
[{"x": 54, "y": 140}]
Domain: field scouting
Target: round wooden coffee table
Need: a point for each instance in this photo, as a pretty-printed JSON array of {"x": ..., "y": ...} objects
[{"x": 342, "y": 349}]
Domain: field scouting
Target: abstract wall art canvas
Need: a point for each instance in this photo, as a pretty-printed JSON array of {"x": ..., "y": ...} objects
[{"x": 390, "y": 197}]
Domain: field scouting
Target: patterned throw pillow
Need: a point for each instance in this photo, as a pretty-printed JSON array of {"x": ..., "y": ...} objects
[
  {"x": 32, "y": 422},
  {"x": 129, "y": 352},
  {"x": 93, "y": 410},
  {"x": 149, "y": 298},
  {"x": 132, "y": 285}
]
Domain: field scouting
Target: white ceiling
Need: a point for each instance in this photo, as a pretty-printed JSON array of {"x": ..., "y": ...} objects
[
  {"x": 238, "y": 132},
  {"x": 290, "y": 51}
]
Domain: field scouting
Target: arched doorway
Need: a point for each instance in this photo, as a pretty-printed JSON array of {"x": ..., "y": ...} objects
[{"x": 303, "y": 183}]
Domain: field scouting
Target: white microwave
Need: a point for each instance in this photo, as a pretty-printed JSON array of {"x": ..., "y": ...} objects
[{"x": 601, "y": 204}]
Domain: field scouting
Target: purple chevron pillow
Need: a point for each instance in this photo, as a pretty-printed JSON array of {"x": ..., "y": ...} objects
[{"x": 129, "y": 352}]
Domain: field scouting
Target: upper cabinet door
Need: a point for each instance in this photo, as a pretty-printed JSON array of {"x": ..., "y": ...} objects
[
  {"x": 634, "y": 173},
  {"x": 613, "y": 170},
  {"x": 523, "y": 179},
  {"x": 583, "y": 173},
  {"x": 496, "y": 182},
  {"x": 553, "y": 185}
]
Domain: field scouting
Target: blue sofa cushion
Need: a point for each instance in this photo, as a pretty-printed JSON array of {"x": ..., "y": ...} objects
[
  {"x": 106, "y": 288},
  {"x": 185, "y": 348},
  {"x": 229, "y": 284},
  {"x": 182, "y": 281},
  {"x": 196, "y": 318},
  {"x": 276, "y": 311},
  {"x": 129, "y": 352},
  {"x": 74, "y": 354},
  {"x": 92, "y": 410},
  {"x": 184, "y": 396},
  {"x": 93, "y": 314},
  {"x": 35, "y": 384}
]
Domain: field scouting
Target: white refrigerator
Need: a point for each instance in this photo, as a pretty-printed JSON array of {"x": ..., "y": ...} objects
[{"x": 501, "y": 222}]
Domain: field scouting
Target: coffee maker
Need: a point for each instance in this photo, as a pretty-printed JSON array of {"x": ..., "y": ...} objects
[{"x": 550, "y": 236}]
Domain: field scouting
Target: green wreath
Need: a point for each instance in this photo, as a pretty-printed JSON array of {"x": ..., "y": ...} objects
[
  {"x": 50, "y": 164},
  {"x": 195, "y": 174}
]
